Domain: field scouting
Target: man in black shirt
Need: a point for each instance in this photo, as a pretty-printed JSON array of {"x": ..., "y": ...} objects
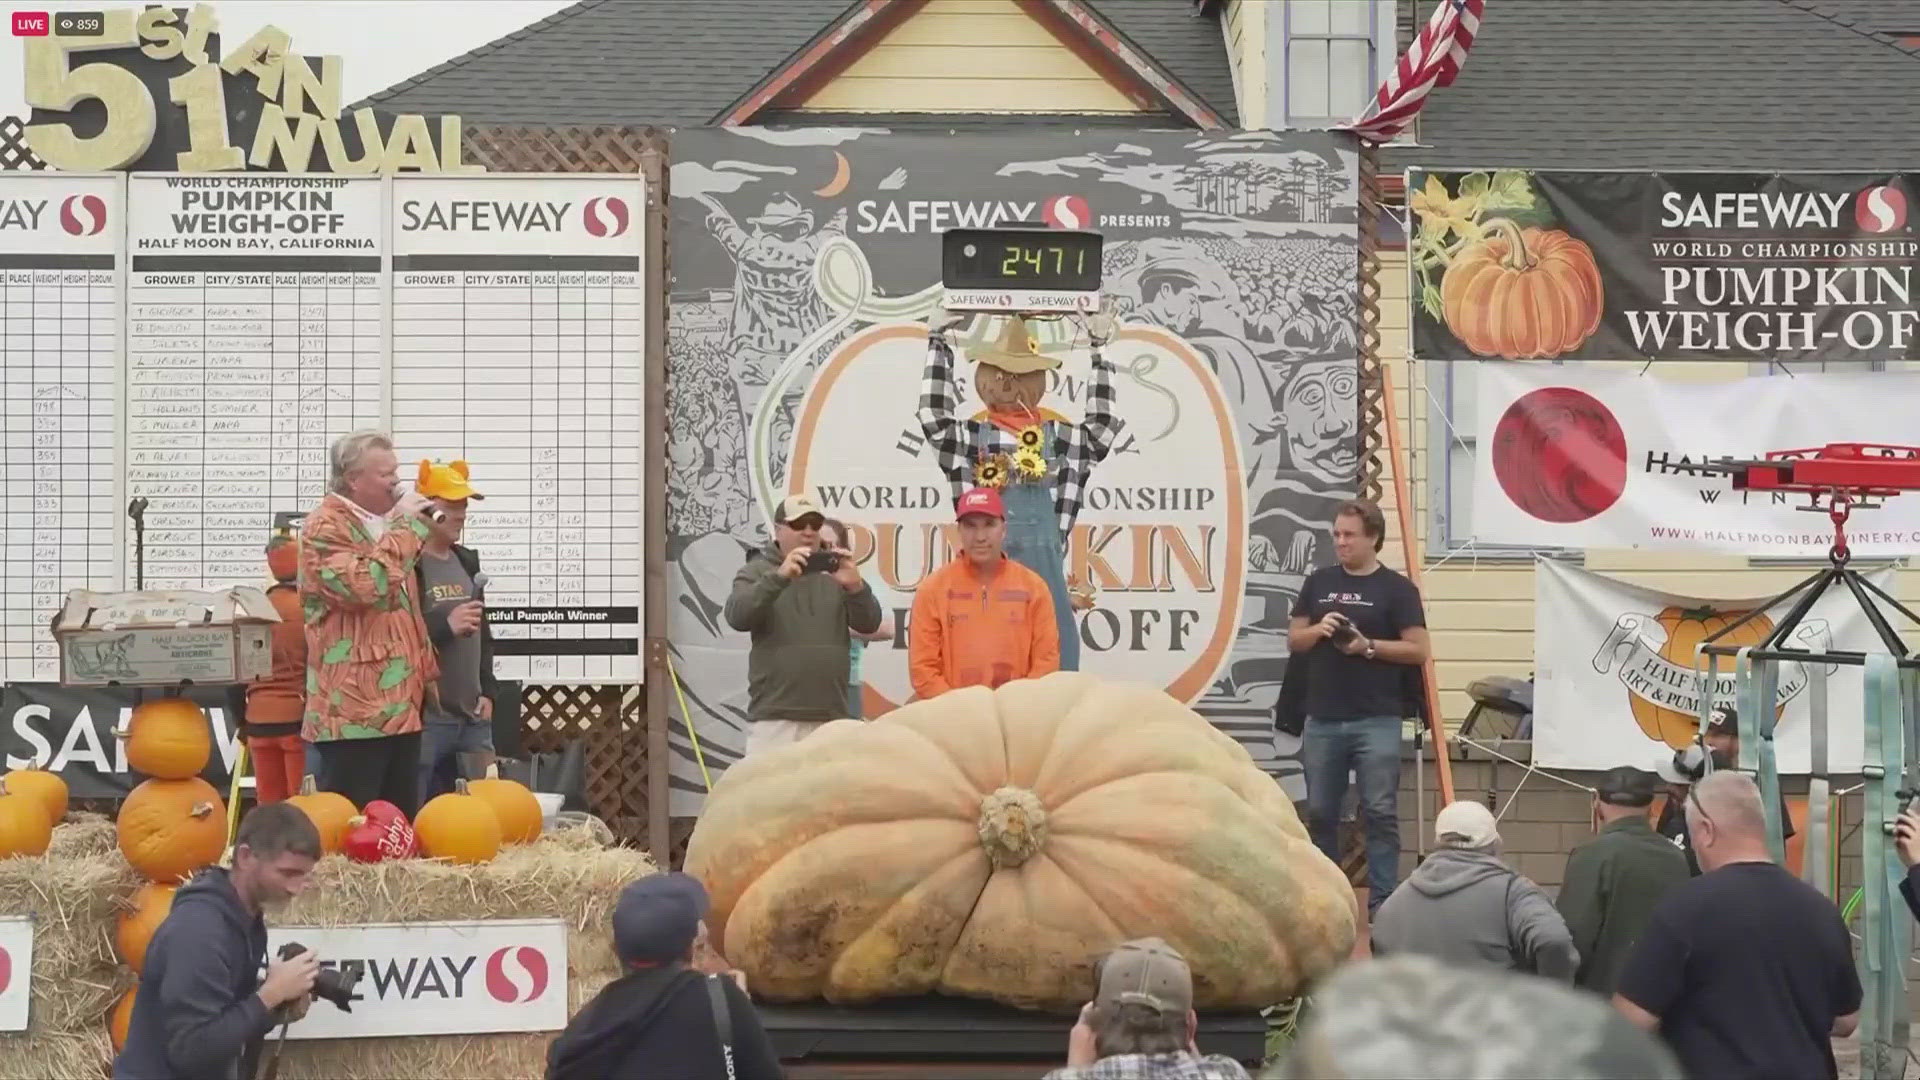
[
  {"x": 1355, "y": 628},
  {"x": 1746, "y": 970}
]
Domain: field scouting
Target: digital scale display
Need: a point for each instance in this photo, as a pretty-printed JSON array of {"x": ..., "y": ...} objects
[{"x": 1025, "y": 269}]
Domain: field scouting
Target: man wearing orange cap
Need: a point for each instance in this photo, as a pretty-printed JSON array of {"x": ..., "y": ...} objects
[
  {"x": 459, "y": 713},
  {"x": 982, "y": 619}
]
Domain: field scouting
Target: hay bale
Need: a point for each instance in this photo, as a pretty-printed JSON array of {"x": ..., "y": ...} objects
[
  {"x": 569, "y": 874},
  {"x": 74, "y": 893}
]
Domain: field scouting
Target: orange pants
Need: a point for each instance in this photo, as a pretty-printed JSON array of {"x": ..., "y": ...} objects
[{"x": 278, "y": 764}]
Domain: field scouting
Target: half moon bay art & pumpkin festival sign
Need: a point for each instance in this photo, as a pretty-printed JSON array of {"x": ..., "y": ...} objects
[
  {"x": 1524, "y": 265},
  {"x": 806, "y": 268}
]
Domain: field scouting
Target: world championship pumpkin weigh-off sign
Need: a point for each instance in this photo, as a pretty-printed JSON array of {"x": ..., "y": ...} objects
[{"x": 1524, "y": 265}]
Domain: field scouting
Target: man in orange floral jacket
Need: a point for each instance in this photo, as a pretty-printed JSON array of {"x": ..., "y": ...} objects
[{"x": 369, "y": 661}]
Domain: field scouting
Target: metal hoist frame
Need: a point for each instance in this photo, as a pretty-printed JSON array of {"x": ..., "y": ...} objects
[{"x": 1839, "y": 478}]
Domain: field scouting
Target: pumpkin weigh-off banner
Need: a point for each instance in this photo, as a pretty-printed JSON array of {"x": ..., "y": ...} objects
[
  {"x": 1523, "y": 265},
  {"x": 1615, "y": 682}
]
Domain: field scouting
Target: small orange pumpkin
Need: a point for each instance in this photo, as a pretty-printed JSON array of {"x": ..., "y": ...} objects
[
  {"x": 517, "y": 809},
  {"x": 118, "y": 1021},
  {"x": 170, "y": 738},
  {"x": 25, "y": 828},
  {"x": 136, "y": 925},
  {"x": 458, "y": 826},
  {"x": 1522, "y": 294},
  {"x": 331, "y": 812},
  {"x": 170, "y": 828},
  {"x": 42, "y": 785}
]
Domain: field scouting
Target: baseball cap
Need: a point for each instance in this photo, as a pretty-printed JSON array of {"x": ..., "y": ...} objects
[
  {"x": 437, "y": 481},
  {"x": 1465, "y": 824},
  {"x": 1626, "y": 786},
  {"x": 796, "y": 506},
  {"x": 1724, "y": 720},
  {"x": 1687, "y": 765},
  {"x": 658, "y": 916},
  {"x": 1145, "y": 971},
  {"x": 981, "y": 500}
]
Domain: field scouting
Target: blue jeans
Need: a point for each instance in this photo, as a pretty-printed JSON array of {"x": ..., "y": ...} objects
[
  {"x": 442, "y": 741},
  {"x": 1370, "y": 748}
]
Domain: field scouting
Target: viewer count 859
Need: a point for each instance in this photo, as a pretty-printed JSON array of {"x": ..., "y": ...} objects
[{"x": 63, "y": 23}]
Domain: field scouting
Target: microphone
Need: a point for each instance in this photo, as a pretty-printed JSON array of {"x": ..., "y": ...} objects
[
  {"x": 430, "y": 511},
  {"x": 480, "y": 585}
]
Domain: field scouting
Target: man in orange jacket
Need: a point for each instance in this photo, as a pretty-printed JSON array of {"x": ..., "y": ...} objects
[{"x": 982, "y": 619}]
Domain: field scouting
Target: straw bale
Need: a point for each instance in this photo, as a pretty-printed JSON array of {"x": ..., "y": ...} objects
[
  {"x": 568, "y": 874},
  {"x": 56, "y": 1055},
  {"x": 74, "y": 894}
]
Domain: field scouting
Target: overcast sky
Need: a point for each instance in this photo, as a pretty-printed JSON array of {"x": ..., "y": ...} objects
[{"x": 380, "y": 42}]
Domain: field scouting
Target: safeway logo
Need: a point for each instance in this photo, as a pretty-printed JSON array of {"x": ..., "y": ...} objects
[
  {"x": 605, "y": 216},
  {"x": 83, "y": 215},
  {"x": 1067, "y": 212},
  {"x": 1880, "y": 209},
  {"x": 517, "y": 973},
  {"x": 6, "y": 970}
]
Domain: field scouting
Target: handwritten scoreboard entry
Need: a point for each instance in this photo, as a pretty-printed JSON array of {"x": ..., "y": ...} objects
[
  {"x": 60, "y": 250},
  {"x": 517, "y": 329},
  {"x": 200, "y": 339}
]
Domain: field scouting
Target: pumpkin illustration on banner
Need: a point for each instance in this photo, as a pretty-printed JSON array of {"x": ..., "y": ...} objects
[
  {"x": 1686, "y": 628},
  {"x": 1506, "y": 288}
]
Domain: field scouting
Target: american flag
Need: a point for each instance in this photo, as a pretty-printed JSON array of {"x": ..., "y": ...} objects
[{"x": 1433, "y": 60}]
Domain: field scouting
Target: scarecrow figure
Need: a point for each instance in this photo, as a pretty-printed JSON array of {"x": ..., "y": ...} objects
[{"x": 1039, "y": 461}]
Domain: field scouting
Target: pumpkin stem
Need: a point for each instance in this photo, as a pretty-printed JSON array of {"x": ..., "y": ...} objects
[
  {"x": 1013, "y": 826},
  {"x": 1517, "y": 257},
  {"x": 200, "y": 810},
  {"x": 307, "y": 785},
  {"x": 460, "y": 786},
  {"x": 356, "y": 821}
]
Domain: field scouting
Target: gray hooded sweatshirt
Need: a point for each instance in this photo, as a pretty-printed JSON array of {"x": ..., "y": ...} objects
[{"x": 1466, "y": 906}]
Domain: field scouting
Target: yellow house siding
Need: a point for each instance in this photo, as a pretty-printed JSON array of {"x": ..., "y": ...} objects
[
  {"x": 969, "y": 56},
  {"x": 1481, "y": 612},
  {"x": 1245, "y": 26}
]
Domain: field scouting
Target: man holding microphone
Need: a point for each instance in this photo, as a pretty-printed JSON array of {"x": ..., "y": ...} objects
[
  {"x": 369, "y": 660},
  {"x": 459, "y": 716}
]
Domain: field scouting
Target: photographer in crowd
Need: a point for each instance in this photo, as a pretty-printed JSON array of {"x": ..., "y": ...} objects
[
  {"x": 201, "y": 1010},
  {"x": 802, "y": 601}
]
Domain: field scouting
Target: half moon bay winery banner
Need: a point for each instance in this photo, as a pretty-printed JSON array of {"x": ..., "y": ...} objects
[
  {"x": 1526, "y": 265},
  {"x": 1617, "y": 683},
  {"x": 806, "y": 269}
]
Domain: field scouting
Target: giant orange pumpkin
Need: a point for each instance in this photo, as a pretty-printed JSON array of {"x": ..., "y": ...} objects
[
  {"x": 168, "y": 737},
  {"x": 331, "y": 813},
  {"x": 118, "y": 1021},
  {"x": 170, "y": 828},
  {"x": 993, "y": 843},
  {"x": 134, "y": 930},
  {"x": 25, "y": 828},
  {"x": 42, "y": 785},
  {"x": 1523, "y": 294},
  {"x": 1686, "y": 628}
]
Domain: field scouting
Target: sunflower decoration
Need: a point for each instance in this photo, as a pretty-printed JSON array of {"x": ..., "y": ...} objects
[
  {"x": 992, "y": 472},
  {"x": 1030, "y": 464},
  {"x": 1031, "y": 438}
]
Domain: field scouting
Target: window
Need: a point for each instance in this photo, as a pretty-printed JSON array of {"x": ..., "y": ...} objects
[
  {"x": 1451, "y": 423},
  {"x": 1333, "y": 51}
]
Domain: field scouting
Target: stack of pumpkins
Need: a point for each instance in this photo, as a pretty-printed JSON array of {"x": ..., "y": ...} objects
[{"x": 171, "y": 825}]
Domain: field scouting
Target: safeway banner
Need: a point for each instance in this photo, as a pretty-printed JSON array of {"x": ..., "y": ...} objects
[
  {"x": 1581, "y": 457},
  {"x": 70, "y": 731},
  {"x": 1615, "y": 681},
  {"x": 1523, "y": 265}
]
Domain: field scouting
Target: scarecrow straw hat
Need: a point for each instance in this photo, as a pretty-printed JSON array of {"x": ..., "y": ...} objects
[{"x": 1017, "y": 351}]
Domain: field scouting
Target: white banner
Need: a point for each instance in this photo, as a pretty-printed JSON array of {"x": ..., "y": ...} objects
[
  {"x": 1614, "y": 670},
  {"x": 16, "y": 971},
  {"x": 451, "y": 978},
  {"x": 1574, "y": 457}
]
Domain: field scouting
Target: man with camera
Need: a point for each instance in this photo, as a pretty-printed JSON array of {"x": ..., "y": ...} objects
[
  {"x": 1359, "y": 631},
  {"x": 201, "y": 1010},
  {"x": 801, "y": 601}
]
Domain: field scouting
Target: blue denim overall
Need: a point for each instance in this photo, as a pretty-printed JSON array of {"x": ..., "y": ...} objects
[{"x": 1033, "y": 541}]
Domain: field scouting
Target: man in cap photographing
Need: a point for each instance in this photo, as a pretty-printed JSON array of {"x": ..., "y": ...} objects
[
  {"x": 459, "y": 713},
  {"x": 1614, "y": 881},
  {"x": 801, "y": 601},
  {"x": 662, "y": 1018},
  {"x": 1140, "y": 1024}
]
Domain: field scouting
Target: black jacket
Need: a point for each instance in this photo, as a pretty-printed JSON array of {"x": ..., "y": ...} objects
[
  {"x": 439, "y": 633},
  {"x": 196, "y": 1015},
  {"x": 658, "y": 1022}
]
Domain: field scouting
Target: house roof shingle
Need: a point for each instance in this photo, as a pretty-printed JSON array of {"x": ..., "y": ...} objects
[
  {"x": 682, "y": 62},
  {"x": 1677, "y": 84}
]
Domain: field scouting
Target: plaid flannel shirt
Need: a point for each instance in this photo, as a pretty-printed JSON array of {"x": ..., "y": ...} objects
[
  {"x": 1184, "y": 1065},
  {"x": 1073, "y": 450}
]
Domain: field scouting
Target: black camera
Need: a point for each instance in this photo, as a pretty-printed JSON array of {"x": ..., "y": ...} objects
[
  {"x": 1344, "y": 632},
  {"x": 822, "y": 561},
  {"x": 331, "y": 984}
]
